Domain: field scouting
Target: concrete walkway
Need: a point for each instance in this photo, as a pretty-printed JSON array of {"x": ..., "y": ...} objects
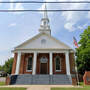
[
  {"x": 38, "y": 87},
  {"x": 45, "y": 87}
]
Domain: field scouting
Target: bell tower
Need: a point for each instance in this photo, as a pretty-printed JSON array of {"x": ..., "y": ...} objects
[{"x": 45, "y": 27}]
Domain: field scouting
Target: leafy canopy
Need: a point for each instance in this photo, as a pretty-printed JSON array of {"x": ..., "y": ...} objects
[
  {"x": 7, "y": 67},
  {"x": 83, "y": 52}
]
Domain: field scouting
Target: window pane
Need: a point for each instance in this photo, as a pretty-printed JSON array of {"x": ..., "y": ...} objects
[
  {"x": 29, "y": 67},
  {"x": 57, "y": 63},
  {"x": 57, "y": 67}
]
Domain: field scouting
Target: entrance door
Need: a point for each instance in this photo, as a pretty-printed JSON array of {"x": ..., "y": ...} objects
[{"x": 43, "y": 68}]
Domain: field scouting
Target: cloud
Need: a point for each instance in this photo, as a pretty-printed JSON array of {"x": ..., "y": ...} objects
[
  {"x": 18, "y": 6},
  {"x": 69, "y": 26},
  {"x": 82, "y": 27},
  {"x": 49, "y": 6},
  {"x": 71, "y": 18},
  {"x": 0, "y": 1},
  {"x": 4, "y": 56},
  {"x": 88, "y": 16},
  {"x": 12, "y": 24},
  {"x": 11, "y": 5}
]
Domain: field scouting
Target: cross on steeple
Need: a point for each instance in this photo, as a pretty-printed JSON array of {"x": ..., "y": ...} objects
[{"x": 44, "y": 27}]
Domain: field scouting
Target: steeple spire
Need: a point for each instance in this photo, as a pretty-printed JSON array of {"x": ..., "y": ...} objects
[
  {"x": 44, "y": 27},
  {"x": 45, "y": 12}
]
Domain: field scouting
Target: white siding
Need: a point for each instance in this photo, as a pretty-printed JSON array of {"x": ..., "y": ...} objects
[{"x": 36, "y": 44}]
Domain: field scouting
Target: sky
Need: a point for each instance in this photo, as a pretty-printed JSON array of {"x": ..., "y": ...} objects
[{"x": 15, "y": 28}]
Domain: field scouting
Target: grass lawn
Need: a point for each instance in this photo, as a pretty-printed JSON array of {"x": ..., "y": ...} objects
[
  {"x": 2, "y": 83},
  {"x": 12, "y": 89},
  {"x": 84, "y": 88},
  {"x": 74, "y": 88}
]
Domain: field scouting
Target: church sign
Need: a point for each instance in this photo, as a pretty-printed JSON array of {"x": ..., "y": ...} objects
[{"x": 88, "y": 79}]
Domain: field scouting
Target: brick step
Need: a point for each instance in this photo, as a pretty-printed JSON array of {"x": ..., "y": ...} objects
[{"x": 28, "y": 79}]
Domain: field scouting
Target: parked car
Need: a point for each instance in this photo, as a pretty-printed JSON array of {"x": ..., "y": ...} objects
[{"x": 3, "y": 74}]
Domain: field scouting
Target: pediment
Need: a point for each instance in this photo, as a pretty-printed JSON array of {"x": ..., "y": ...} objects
[{"x": 43, "y": 41}]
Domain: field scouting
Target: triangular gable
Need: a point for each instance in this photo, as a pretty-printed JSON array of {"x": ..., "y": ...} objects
[{"x": 43, "y": 41}]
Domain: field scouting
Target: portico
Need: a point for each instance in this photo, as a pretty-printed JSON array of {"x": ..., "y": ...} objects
[{"x": 44, "y": 59}]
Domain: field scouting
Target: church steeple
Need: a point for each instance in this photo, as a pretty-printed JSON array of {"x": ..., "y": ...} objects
[
  {"x": 44, "y": 27},
  {"x": 45, "y": 12}
]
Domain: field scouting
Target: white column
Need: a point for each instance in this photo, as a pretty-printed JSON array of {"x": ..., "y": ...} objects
[
  {"x": 67, "y": 63},
  {"x": 34, "y": 63},
  {"x": 50, "y": 65},
  {"x": 18, "y": 63}
]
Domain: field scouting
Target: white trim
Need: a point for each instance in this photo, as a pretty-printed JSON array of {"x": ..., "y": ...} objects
[
  {"x": 55, "y": 63},
  {"x": 28, "y": 70},
  {"x": 34, "y": 63},
  {"x": 18, "y": 63},
  {"x": 42, "y": 58},
  {"x": 42, "y": 51},
  {"x": 38, "y": 35},
  {"x": 27, "y": 64},
  {"x": 67, "y": 63},
  {"x": 50, "y": 64}
]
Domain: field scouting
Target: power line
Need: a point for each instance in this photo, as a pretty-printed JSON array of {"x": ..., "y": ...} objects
[
  {"x": 45, "y": 2},
  {"x": 28, "y": 2},
  {"x": 86, "y": 10}
]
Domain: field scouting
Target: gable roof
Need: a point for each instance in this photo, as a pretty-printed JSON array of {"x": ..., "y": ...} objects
[{"x": 35, "y": 43}]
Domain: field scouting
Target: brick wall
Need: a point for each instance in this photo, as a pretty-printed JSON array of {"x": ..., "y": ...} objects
[
  {"x": 72, "y": 63},
  {"x": 24, "y": 57},
  {"x": 86, "y": 78},
  {"x": 7, "y": 80},
  {"x": 63, "y": 63},
  {"x": 21, "y": 71},
  {"x": 25, "y": 63},
  {"x": 14, "y": 63}
]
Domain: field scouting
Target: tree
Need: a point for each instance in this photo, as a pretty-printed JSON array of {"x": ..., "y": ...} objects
[
  {"x": 83, "y": 52},
  {"x": 7, "y": 67},
  {"x": 1, "y": 68}
]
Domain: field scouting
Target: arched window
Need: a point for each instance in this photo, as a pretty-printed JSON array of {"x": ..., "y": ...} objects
[
  {"x": 57, "y": 63},
  {"x": 29, "y": 63}
]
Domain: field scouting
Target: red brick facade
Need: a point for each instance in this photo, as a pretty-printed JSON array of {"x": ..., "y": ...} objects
[
  {"x": 86, "y": 78},
  {"x": 63, "y": 63},
  {"x": 21, "y": 71},
  {"x": 72, "y": 63},
  {"x": 14, "y": 63},
  {"x": 24, "y": 57}
]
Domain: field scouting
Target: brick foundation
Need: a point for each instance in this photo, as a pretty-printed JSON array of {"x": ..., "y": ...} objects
[
  {"x": 86, "y": 78},
  {"x": 74, "y": 81},
  {"x": 7, "y": 80}
]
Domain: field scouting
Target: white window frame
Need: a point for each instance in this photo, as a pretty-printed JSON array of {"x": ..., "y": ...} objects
[
  {"x": 55, "y": 64},
  {"x": 27, "y": 64}
]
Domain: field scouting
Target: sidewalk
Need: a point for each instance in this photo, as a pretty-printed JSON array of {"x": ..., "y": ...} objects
[{"x": 38, "y": 87}]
